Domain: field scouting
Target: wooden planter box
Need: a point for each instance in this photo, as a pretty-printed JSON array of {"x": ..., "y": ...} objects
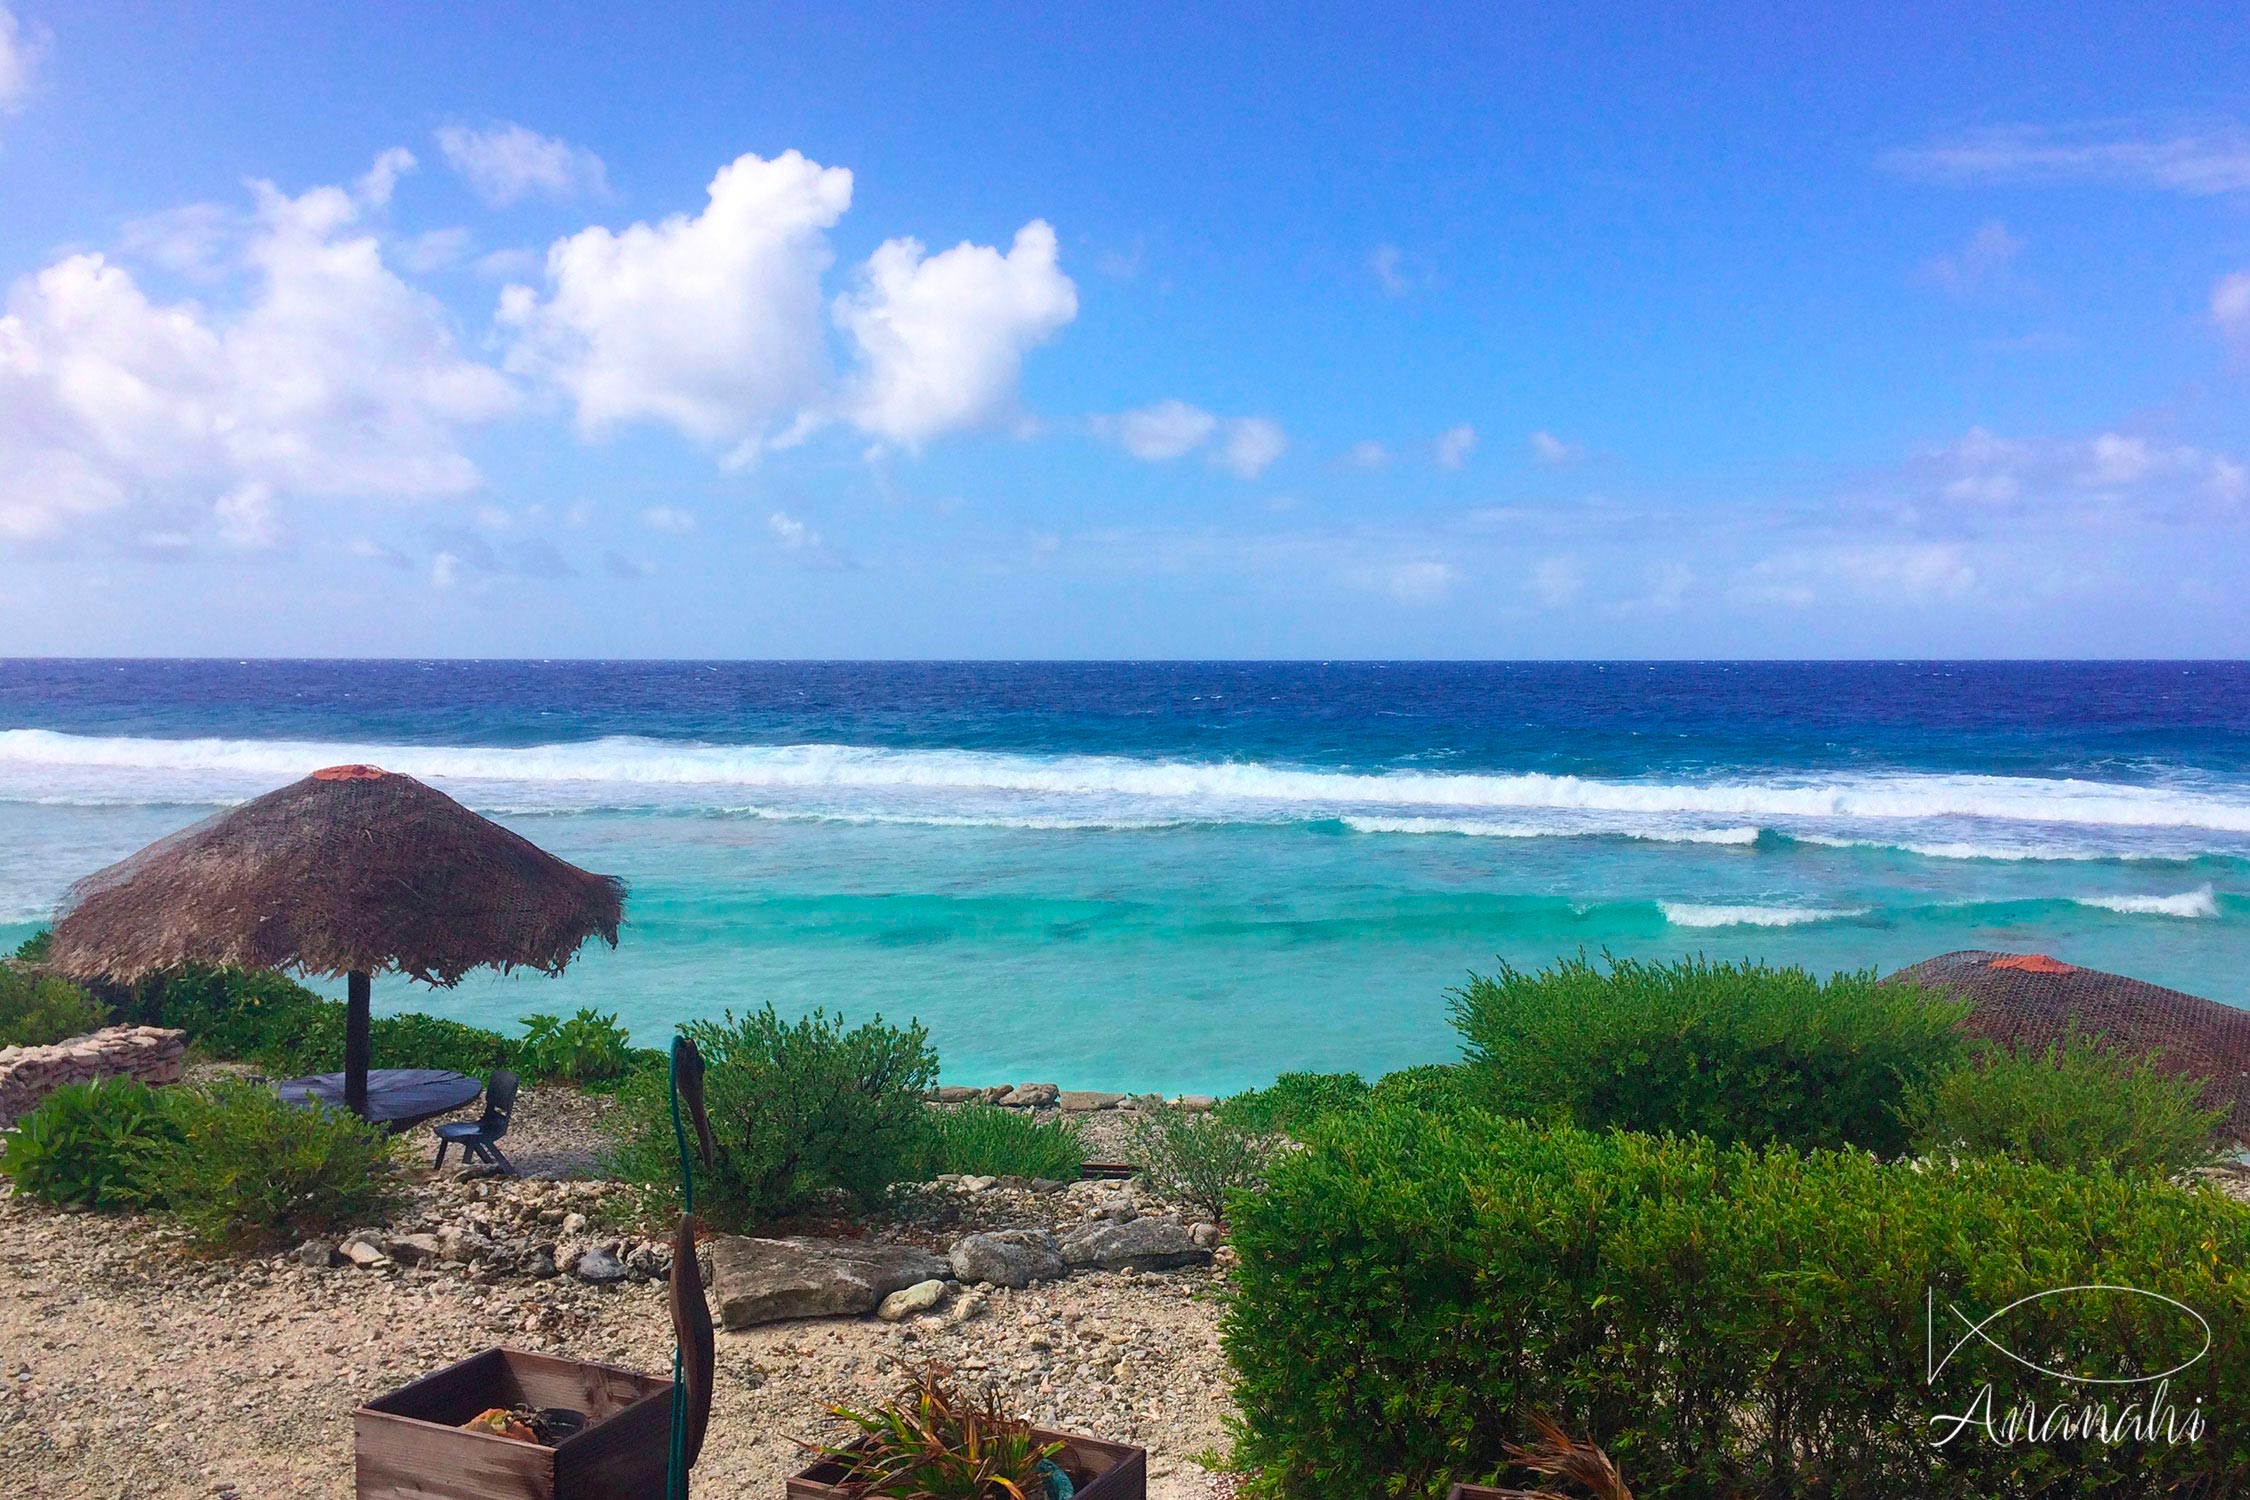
[
  {"x": 1120, "y": 1472},
  {"x": 409, "y": 1445}
]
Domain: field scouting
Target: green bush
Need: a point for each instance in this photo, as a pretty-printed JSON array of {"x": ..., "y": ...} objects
[
  {"x": 80, "y": 1146},
  {"x": 799, "y": 1111},
  {"x": 2079, "y": 1104},
  {"x": 33, "y": 949},
  {"x": 1207, "y": 1160},
  {"x": 36, "y": 1010},
  {"x": 590, "y": 1047},
  {"x": 1295, "y": 1101},
  {"x": 1725, "y": 1322},
  {"x": 1434, "y": 1087},
  {"x": 288, "y": 1029},
  {"x": 1736, "y": 1052},
  {"x": 985, "y": 1140},
  {"x": 241, "y": 1170}
]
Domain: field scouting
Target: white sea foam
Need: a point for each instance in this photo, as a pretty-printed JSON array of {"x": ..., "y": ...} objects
[
  {"x": 2197, "y": 903},
  {"x": 43, "y": 763},
  {"x": 1690, "y": 914},
  {"x": 1484, "y": 828}
]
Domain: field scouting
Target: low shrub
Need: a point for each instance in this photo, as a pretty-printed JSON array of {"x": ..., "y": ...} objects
[
  {"x": 38, "y": 1009},
  {"x": 1294, "y": 1101},
  {"x": 589, "y": 1048},
  {"x": 987, "y": 1141},
  {"x": 33, "y": 949},
  {"x": 799, "y": 1111},
  {"x": 1434, "y": 1088},
  {"x": 81, "y": 1145},
  {"x": 2081, "y": 1103},
  {"x": 1735, "y": 1052},
  {"x": 1414, "y": 1290},
  {"x": 1207, "y": 1160},
  {"x": 240, "y": 1170},
  {"x": 287, "y": 1029}
]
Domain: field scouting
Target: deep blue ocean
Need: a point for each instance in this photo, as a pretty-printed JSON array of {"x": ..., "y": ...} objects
[{"x": 1197, "y": 875}]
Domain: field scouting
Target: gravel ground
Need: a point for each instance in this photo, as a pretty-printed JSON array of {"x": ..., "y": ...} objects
[{"x": 130, "y": 1371}]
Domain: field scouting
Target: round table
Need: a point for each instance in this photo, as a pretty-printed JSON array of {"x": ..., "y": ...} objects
[{"x": 397, "y": 1097}]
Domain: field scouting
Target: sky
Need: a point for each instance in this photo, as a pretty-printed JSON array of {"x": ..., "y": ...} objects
[{"x": 1078, "y": 331}]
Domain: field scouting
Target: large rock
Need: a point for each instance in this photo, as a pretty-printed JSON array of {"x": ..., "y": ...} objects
[
  {"x": 1136, "y": 1245},
  {"x": 1009, "y": 1257},
  {"x": 765, "y": 1281},
  {"x": 1032, "y": 1095},
  {"x": 600, "y": 1266},
  {"x": 954, "y": 1093},
  {"x": 1087, "y": 1101}
]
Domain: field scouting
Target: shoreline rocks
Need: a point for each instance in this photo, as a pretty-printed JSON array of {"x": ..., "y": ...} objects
[{"x": 757, "y": 1281}]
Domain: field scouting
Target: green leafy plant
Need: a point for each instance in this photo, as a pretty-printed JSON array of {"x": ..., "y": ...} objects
[
  {"x": 1206, "y": 1160},
  {"x": 81, "y": 1145},
  {"x": 240, "y": 1170},
  {"x": 1415, "y": 1288},
  {"x": 1434, "y": 1087},
  {"x": 33, "y": 949},
  {"x": 1736, "y": 1052},
  {"x": 1294, "y": 1101},
  {"x": 932, "y": 1442},
  {"x": 2081, "y": 1103},
  {"x": 988, "y": 1141},
  {"x": 590, "y": 1047},
  {"x": 799, "y": 1111},
  {"x": 38, "y": 1009}
]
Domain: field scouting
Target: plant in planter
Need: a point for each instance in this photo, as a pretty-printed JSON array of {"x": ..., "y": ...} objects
[{"x": 934, "y": 1442}]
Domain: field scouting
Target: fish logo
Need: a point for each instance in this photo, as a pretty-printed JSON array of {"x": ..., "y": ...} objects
[{"x": 1981, "y": 1330}]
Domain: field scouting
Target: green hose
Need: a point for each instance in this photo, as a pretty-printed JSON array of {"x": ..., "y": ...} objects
[{"x": 676, "y": 1487}]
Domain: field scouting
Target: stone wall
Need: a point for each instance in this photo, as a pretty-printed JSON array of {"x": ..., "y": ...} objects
[{"x": 29, "y": 1074}]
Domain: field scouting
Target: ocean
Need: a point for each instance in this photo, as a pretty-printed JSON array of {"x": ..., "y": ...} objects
[{"x": 1193, "y": 876}]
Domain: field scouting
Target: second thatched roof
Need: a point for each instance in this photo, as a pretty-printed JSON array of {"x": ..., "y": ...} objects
[
  {"x": 351, "y": 869},
  {"x": 2030, "y": 1001}
]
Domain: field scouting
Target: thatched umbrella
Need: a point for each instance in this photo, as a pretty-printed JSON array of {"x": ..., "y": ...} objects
[
  {"x": 350, "y": 872},
  {"x": 2030, "y": 1001}
]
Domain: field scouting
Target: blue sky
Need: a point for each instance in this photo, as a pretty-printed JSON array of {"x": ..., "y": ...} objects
[{"x": 1491, "y": 331}]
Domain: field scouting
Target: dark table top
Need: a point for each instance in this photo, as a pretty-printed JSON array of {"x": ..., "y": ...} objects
[{"x": 397, "y": 1097}]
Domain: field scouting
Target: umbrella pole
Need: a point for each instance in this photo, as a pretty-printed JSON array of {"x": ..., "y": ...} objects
[{"x": 356, "y": 1009}]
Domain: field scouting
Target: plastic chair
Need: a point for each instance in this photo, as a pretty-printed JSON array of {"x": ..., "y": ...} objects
[{"x": 480, "y": 1141}]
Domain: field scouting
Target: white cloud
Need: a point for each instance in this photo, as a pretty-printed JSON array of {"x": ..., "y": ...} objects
[
  {"x": 1154, "y": 434},
  {"x": 445, "y": 570},
  {"x": 2230, "y": 306},
  {"x": 1553, "y": 451},
  {"x": 1906, "y": 572},
  {"x": 2110, "y": 471},
  {"x": 375, "y": 186},
  {"x": 793, "y": 533},
  {"x": 332, "y": 377},
  {"x": 1454, "y": 445},
  {"x": 1251, "y": 444},
  {"x": 508, "y": 163},
  {"x": 710, "y": 324},
  {"x": 941, "y": 340},
  {"x": 193, "y": 240},
  {"x": 1384, "y": 262},
  {"x": 1398, "y": 273},
  {"x": 1983, "y": 261},
  {"x": 1367, "y": 455},
  {"x": 1416, "y": 581},
  {"x": 434, "y": 250},
  {"x": 669, "y": 518},
  {"x": 1169, "y": 429},
  {"x": 2198, "y": 162},
  {"x": 22, "y": 50},
  {"x": 1557, "y": 580}
]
